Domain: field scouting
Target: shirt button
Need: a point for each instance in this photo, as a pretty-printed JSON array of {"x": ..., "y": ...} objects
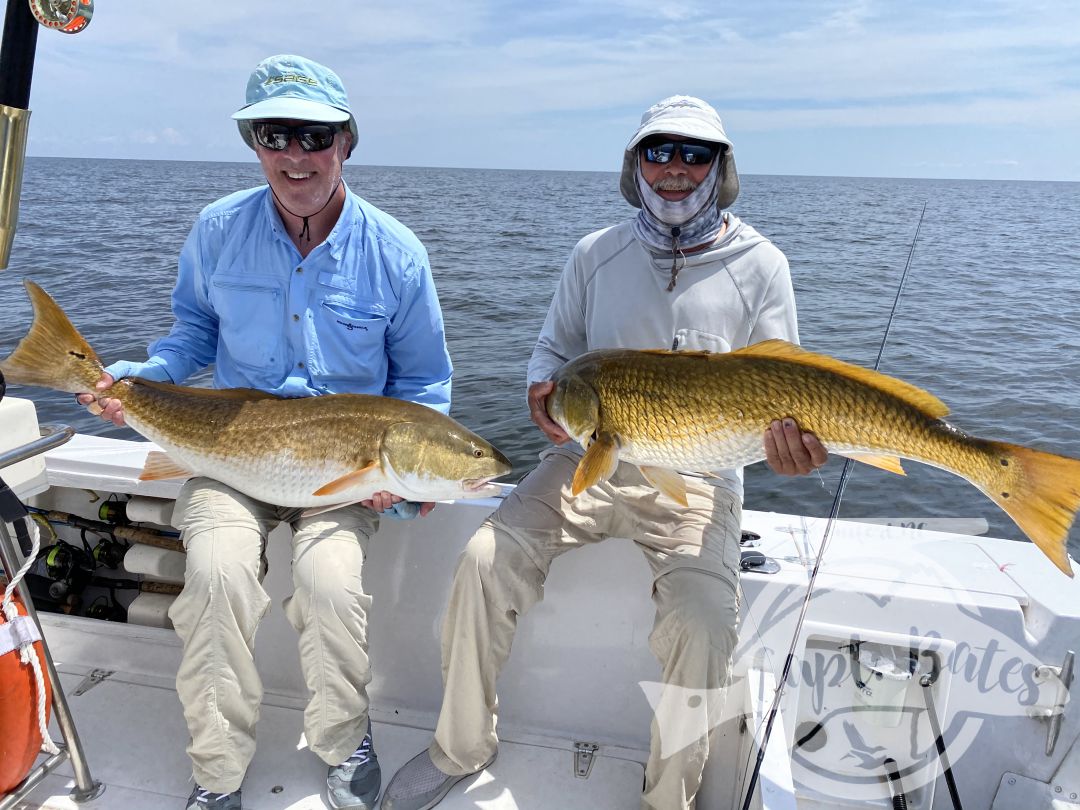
[
  {"x": 299, "y": 269},
  {"x": 300, "y": 364},
  {"x": 296, "y": 317}
]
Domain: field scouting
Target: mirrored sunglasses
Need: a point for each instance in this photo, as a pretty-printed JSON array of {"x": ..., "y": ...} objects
[
  {"x": 311, "y": 137},
  {"x": 693, "y": 153}
]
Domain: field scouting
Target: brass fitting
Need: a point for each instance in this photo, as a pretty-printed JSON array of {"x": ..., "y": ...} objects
[{"x": 14, "y": 126}]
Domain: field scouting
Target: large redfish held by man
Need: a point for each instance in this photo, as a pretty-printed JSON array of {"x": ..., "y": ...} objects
[
  {"x": 316, "y": 452},
  {"x": 697, "y": 411}
]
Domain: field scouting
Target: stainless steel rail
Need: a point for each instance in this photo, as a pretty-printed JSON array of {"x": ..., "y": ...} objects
[{"x": 71, "y": 749}]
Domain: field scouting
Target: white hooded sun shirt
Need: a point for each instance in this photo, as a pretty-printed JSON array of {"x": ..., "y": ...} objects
[{"x": 613, "y": 292}]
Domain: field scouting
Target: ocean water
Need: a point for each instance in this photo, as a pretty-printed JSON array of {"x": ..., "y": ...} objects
[{"x": 989, "y": 319}]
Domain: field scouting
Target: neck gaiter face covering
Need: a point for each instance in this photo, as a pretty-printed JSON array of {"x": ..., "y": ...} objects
[{"x": 666, "y": 225}]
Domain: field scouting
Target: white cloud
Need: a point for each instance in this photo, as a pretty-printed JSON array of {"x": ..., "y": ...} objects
[
  {"x": 480, "y": 67},
  {"x": 166, "y": 136}
]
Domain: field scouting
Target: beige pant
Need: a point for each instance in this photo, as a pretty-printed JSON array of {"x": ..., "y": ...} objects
[
  {"x": 694, "y": 556},
  {"x": 219, "y": 610}
]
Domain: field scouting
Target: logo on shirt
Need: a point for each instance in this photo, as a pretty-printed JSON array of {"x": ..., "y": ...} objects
[{"x": 352, "y": 326}]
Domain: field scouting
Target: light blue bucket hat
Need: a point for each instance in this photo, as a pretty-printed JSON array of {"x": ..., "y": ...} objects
[{"x": 289, "y": 86}]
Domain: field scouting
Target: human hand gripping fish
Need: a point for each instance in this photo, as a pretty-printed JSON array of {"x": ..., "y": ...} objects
[
  {"x": 314, "y": 452},
  {"x": 666, "y": 411}
]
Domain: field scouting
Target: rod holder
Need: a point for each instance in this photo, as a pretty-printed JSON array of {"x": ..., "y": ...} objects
[{"x": 14, "y": 126}]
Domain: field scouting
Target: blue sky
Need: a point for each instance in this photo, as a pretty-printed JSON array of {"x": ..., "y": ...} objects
[{"x": 966, "y": 89}]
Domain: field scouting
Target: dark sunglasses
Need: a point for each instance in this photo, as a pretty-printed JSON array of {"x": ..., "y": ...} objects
[
  {"x": 693, "y": 153},
  {"x": 311, "y": 137}
]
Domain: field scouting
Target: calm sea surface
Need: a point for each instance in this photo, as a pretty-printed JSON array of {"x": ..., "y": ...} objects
[{"x": 989, "y": 320}]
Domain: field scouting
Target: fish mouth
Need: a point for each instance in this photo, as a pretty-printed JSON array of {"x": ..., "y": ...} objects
[{"x": 481, "y": 486}]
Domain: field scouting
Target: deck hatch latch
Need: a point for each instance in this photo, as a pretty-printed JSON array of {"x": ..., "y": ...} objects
[
  {"x": 584, "y": 754},
  {"x": 95, "y": 677},
  {"x": 1059, "y": 679}
]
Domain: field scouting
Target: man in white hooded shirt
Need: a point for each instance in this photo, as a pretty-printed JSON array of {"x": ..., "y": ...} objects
[{"x": 683, "y": 274}]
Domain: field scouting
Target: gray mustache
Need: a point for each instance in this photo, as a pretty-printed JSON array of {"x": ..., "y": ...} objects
[{"x": 678, "y": 183}]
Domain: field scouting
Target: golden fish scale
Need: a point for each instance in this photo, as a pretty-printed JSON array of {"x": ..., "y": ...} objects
[
  {"x": 343, "y": 428},
  {"x": 694, "y": 408}
]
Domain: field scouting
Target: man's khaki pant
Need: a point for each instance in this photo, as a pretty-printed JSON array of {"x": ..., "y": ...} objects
[
  {"x": 219, "y": 609},
  {"x": 694, "y": 556}
]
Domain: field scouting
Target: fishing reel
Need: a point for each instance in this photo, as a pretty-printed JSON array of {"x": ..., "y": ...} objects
[
  {"x": 68, "y": 567},
  {"x": 107, "y": 609},
  {"x": 114, "y": 512},
  {"x": 109, "y": 552},
  {"x": 65, "y": 16}
]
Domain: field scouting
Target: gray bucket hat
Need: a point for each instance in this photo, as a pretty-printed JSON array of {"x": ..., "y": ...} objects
[
  {"x": 691, "y": 118},
  {"x": 289, "y": 86}
]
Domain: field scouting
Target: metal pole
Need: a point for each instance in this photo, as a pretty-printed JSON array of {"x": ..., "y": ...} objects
[
  {"x": 85, "y": 786},
  {"x": 17, "y": 51},
  {"x": 51, "y": 436}
]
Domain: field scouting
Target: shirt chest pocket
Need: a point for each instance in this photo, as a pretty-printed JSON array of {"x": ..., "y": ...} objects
[
  {"x": 251, "y": 316},
  {"x": 348, "y": 338},
  {"x": 696, "y": 340}
]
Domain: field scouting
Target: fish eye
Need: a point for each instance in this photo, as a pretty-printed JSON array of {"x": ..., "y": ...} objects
[{"x": 478, "y": 453}]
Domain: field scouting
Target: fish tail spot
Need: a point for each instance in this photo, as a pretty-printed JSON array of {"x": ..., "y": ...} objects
[
  {"x": 1041, "y": 493},
  {"x": 52, "y": 354}
]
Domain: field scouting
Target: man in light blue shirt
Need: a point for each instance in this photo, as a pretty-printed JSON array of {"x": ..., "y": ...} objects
[
  {"x": 355, "y": 313},
  {"x": 299, "y": 288}
]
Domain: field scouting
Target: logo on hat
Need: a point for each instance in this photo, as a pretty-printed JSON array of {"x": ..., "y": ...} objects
[{"x": 291, "y": 77}]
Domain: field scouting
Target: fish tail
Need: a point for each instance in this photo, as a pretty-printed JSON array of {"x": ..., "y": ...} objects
[
  {"x": 53, "y": 354},
  {"x": 1040, "y": 492}
]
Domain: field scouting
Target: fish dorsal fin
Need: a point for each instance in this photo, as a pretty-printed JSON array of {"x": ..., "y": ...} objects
[
  {"x": 347, "y": 481},
  {"x": 597, "y": 465},
  {"x": 886, "y": 463},
  {"x": 911, "y": 394},
  {"x": 242, "y": 394},
  {"x": 667, "y": 481},
  {"x": 159, "y": 467}
]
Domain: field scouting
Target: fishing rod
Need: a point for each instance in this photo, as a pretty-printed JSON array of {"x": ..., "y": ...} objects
[
  {"x": 18, "y": 47},
  {"x": 790, "y": 660}
]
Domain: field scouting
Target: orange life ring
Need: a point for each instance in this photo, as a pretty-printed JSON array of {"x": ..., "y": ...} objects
[{"x": 20, "y": 739}]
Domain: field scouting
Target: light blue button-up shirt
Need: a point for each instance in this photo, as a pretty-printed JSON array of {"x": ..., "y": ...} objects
[{"x": 359, "y": 314}]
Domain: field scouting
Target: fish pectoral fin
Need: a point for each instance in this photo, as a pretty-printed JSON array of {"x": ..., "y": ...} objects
[
  {"x": 346, "y": 481},
  {"x": 159, "y": 466},
  {"x": 598, "y": 463},
  {"x": 668, "y": 482},
  {"x": 318, "y": 510},
  {"x": 886, "y": 463}
]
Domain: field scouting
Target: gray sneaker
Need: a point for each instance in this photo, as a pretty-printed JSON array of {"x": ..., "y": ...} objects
[
  {"x": 203, "y": 799},
  {"x": 419, "y": 784},
  {"x": 355, "y": 783}
]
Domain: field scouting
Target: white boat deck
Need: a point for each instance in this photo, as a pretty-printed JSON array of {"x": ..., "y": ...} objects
[
  {"x": 994, "y": 610},
  {"x": 138, "y": 753}
]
